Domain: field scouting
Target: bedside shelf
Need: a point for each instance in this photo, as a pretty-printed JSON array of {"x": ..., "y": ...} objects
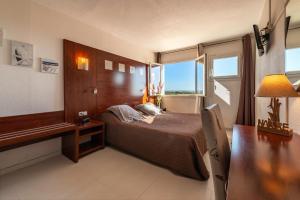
[
  {"x": 88, "y": 147},
  {"x": 86, "y": 135},
  {"x": 90, "y": 137}
]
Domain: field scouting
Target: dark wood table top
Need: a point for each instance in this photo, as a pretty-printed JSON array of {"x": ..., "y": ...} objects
[
  {"x": 90, "y": 124},
  {"x": 263, "y": 166}
]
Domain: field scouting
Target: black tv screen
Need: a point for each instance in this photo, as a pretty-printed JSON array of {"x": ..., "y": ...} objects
[
  {"x": 258, "y": 39},
  {"x": 287, "y": 24}
]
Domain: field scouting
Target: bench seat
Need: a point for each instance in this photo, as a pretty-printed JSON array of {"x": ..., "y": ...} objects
[{"x": 19, "y": 138}]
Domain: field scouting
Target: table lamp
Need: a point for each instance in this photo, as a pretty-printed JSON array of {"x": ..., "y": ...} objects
[{"x": 275, "y": 86}]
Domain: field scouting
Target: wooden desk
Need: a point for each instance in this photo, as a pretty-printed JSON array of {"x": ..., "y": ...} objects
[{"x": 263, "y": 166}]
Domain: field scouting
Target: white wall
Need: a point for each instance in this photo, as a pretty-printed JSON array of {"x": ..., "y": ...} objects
[
  {"x": 293, "y": 41},
  {"x": 182, "y": 104},
  {"x": 26, "y": 90},
  {"x": 274, "y": 60},
  {"x": 228, "y": 109}
]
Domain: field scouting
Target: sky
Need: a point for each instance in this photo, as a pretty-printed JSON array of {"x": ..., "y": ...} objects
[
  {"x": 180, "y": 76},
  {"x": 292, "y": 60},
  {"x": 225, "y": 66}
]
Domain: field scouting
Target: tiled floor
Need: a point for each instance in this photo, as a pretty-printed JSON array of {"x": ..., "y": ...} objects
[{"x": 104, "y": 175}]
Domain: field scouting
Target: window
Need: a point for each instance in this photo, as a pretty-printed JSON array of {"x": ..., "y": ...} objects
[
  {"x": 180, "y": 78},
  {"x": 292, "y": 60},
  {"x": 200, "y": 86},
  {"x": 186, "y": 77},
  {"x": 156, "y": 79},
  {"x": 225, "y": 67}
]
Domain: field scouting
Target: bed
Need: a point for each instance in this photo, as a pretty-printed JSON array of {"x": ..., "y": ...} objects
[{"x": 174, "y": 141}]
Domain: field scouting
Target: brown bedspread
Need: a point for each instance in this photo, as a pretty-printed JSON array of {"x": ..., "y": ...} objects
[{"x": 173, "y": 140}]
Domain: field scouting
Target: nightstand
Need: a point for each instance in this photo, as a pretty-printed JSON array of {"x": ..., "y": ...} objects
[{"x": 90, "y": 137}]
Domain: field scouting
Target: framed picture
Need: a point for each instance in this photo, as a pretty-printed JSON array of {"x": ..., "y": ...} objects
[
  {"x": 108, "y": 65},
  {"x": 121, "y": 67},
  {"x": 22, "y": 54},
  {"x": 49, "y": 66}
]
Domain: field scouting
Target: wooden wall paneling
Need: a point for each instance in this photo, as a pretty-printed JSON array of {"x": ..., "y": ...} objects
[
  {"x": 79, "y": 84},
  {"x": 86, "y": 82},
  {"x": 117, "y": 87},
  {"x": 21, "y": 122},
  {"x": 113, "y": 87}
]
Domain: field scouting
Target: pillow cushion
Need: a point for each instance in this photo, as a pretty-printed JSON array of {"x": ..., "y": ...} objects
[
  {"x": 148, "y": 109},
  {"x": 125, "y": 113}
]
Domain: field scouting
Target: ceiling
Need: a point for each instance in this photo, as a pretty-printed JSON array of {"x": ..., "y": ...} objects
[
  {"x": 293, "y": 10},
  {"x": 160, "y": 25}
]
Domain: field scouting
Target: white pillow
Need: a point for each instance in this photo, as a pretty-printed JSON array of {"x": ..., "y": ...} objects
[
  {"x": 125, "y": 113},
  {"x": 148, "y": 109}
]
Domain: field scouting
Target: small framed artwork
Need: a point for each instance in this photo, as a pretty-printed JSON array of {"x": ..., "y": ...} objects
[
  {"x": 21, "y": 54},
  {"x": 108, "y": 65},
  {"x": 132, "y": 69},
  {"x": 49, "y": 66},
  {"x": 121, "y": 67}
]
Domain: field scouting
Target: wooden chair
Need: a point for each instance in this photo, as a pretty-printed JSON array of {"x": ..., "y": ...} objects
[{"x": 219, "y": 149}]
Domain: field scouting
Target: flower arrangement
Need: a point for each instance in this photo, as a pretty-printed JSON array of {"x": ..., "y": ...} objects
[{"x": 157, "y": 92}]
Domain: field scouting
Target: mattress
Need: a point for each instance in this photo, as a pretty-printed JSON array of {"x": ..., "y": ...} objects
[{"x": 174, "y": 141}]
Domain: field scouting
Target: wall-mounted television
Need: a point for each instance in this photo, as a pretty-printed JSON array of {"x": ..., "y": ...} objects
[
  {"x": 262, "y": 38},
  {"x": 258, "y": 39},
  {"x": 287, "y": 24}
]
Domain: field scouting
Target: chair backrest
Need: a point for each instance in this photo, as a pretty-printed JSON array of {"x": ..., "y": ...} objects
[{"x": 218, "y": 146}]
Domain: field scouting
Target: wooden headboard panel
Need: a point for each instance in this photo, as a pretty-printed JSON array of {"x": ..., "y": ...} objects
[{"x": 113, "y": 87}]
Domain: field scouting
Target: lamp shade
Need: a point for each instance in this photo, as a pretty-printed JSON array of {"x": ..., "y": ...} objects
[
  {"x": 276, "y": 85},
  {"x": 83, "y": 63}
]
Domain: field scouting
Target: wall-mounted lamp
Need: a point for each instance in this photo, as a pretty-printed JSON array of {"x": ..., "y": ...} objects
[{"x": 83, "y": 63}]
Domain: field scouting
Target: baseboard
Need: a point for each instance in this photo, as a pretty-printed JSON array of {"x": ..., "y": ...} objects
[{"x": 28, "y": 163}]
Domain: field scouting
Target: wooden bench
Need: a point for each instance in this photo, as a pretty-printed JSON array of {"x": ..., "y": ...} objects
[{"x": 67, "y": 131}]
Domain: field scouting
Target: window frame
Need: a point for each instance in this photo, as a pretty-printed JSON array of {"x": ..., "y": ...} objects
[
  {"x": 203, "y": 56},
  {"x": 161, "y": 78},
  {"x": 291, "y": 73},
  {"x": 220, "y": 56}
]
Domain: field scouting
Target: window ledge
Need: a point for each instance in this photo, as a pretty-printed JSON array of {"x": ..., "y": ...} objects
[
  {"x": 225, "y": 78},
  {"x": 293, "y": 74},
  {"x": 184, "y": 95}
]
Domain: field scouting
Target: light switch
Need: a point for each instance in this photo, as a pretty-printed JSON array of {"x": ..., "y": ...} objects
[
  {"x": 82, "y": 113},
  {"x": 95, "y": 91}
]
